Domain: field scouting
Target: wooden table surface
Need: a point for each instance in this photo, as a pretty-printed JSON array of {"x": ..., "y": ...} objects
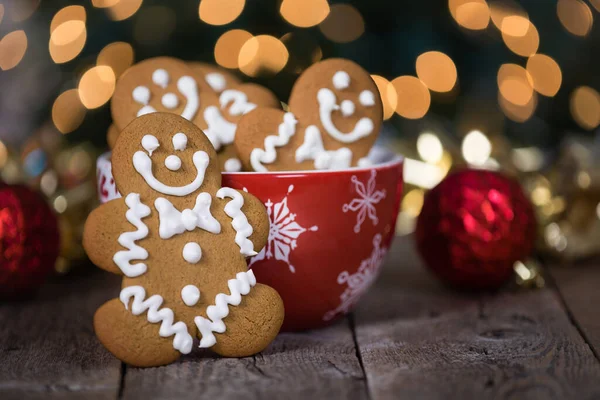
[{"x": 411, "y": 337}]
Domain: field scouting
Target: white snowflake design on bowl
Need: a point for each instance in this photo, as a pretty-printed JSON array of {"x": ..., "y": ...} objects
[
  {"x": 364, "y": 204},
  {"x": 360, "y": 281},
  {"x": 283, "y": 233}
]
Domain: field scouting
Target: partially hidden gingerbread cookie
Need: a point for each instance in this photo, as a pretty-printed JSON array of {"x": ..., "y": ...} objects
[
  {"x": 111, "y": 136},
  {"x": 335, "y": 114},
  {"x": 216, "y": 78},
  {"x": 180, "y": 240}
]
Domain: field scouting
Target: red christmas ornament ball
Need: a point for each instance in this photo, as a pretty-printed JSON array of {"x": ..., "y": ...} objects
[
  {"x": 472, "y": 228},
  {"x": 29, "y": 240}
]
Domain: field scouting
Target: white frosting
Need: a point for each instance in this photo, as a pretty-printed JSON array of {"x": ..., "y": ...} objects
[
  {"x": 143, "y": 165},
  {"x": 216, "y": 81},
  {"x": 327, "y": 104},
  {"x": 170, "y": 101},
  {"x": 188, "y": 88},
  {"x": 173, "y": 163},
  {"x": 365, "y": 162},
  {"x": 240, "y": 105},
  {"x": 179, "y": 141},
  {"x": 287, "y": 129},
  {"x": 161, "y": 78},
  {"x": 150, "y": 143},
  {"x": 347, "y": 108},
  {"x": 190, "y": 295},
  {"x": 238, "y": 287},
  {"x": 312, "y": 149},
  {"x": 192, "y": 252},
  {"x": 182, "y": 341},
  {"x": 146, "y": 110},
  {"x": 341, "y": 80},
  {"x": 141, "y": 94},
  {"x": 233, "y": 165},
  {"x": 366, "y": 98},
  {"x": 220, "y": 131},
  {"x": 239, "y": 221},
  {"x": 136, "y": 211},
  {"x": 173, "y": 222}
]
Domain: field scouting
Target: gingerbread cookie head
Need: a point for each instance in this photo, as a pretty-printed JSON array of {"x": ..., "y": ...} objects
[
  {"x": 181, "y": 242},
  {"x": 212, "y": 77},
  {"x": 335, "y": 114},
  {"x": 160, "y": 84}
]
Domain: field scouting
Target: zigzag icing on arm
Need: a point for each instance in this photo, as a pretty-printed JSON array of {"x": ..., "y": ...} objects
[
  {"x": 182, "y": 341},
  {"x": 123, "y": 258},
  {"x": 287, "y": 129},
  {"x": 238, "y": 287},
  {"x": 240, "y": 223}
]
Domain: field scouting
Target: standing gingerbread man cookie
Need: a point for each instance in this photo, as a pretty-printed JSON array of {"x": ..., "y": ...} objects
[{"x": 180, "y": 241}]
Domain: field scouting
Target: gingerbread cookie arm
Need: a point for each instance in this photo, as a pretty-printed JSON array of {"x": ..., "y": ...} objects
[
  {"x": 259, "y": 220},
  {"x": 101, "y": 235}
]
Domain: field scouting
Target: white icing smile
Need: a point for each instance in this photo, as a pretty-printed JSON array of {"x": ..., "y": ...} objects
[{"x": 327, "y": 104}]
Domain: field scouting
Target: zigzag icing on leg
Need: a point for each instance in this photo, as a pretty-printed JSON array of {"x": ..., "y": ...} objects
[{"x": 123, "y": 258}]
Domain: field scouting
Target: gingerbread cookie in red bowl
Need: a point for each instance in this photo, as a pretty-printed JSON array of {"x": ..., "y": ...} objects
[{"x": 180, "y": 240}]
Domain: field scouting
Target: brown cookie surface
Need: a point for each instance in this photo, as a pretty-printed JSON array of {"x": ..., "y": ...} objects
[
  {"x": 173, "y": 239},
  {"x": 212, "y": 77},
  {"x": 111, "y": 136}
]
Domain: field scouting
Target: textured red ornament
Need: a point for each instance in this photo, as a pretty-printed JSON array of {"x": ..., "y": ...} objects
[
  {"x": 29, "y": 241},
  {"x": 473, "y": 226}
]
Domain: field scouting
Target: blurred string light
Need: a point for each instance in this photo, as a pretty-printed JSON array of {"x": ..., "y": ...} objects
[
  {"x": 228, "y": 46},
  {"x": 437, "y": 71},
  {"x": 220, "y": 12},
  {"x": 67, "y": 111},
  {"x": 501, "y": 9},
  {"x": 123, "y": 9},
  {"x": 518, "y": 113},
  {"x": 585, "y": 107},
  {"x": 520, "y": 35},
  {"x": 344, "y": 24},
  {"x": 470, "y": 14},
  {"x": 262, "y": 55},
  {"x": 145, "y": 30},
  {"x": 430, "y": 148},
  {"x": 410, "y": 208},
  {"x": 413, "y": 97},
  {"x": 20, "y": 10},
  {"x": 422, "y": 174},
  {"x": 118, "y": 55},
  {"x": 388, "y": 94},
  {"x": 104, "y": 3},
  {"x": 12, "y": 49},
  {"x": 304, "y": 13},
  {"x": 515, "y": 84},
  {"x": 476, "y": 148},
  {"x": 96, "y": 86},
  {"x": 68, "y": 34},
  {"x": 575, "y": 16},
  {"x": 545, "y": 73}
]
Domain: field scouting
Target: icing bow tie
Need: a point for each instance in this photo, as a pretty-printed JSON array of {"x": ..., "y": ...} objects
[{"x": 174, "y": 222}]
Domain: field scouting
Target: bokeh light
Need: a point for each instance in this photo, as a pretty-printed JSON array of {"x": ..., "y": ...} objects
[
  {"x": 501, "y": 9},
  {"x": 470, "y": 14},
  {"x": 67, "y": 111},
  {"x": 413, "y": 202},
  {"x": 430, "y": 148},
  {"x": 437, "y": 71},
  {"x": 596, "y": 4},
  {"x": 476, "y": 148},
  {"x": 262, "y": 55},
  {"x": 304, "y": 13},
  {"x": 145, "y": 30},
  {"x": 3, "y": 154},
  {"x": 413, "y": 97},
  {"x": 520, "y": 36},
  {"x": 66, "y": 14},
  {"x": 515, "y": 112},
  {"x": 515, "y": 84},
  {"x": 228, "y": 46},
  {"x": 124, "y": 9},
  {"x": 389, "y": 97},
  {"x": 12, "y": 49},
  {"x": 1, "y": 12},
  {"x": 545, "y": 73},
  {"x": 104, "y": 3},
  {"x": 68, "y": 34},
  {"x": 220, "y": 12},
  {"x": 20, "y": 10},
  {"x": 585, "y": 107},
  {"x": 96, "y": 86},
  {"x": 118, "y": 55},
  {"x": 343, "y": 24},
  {"x": 575, "y": 16}
]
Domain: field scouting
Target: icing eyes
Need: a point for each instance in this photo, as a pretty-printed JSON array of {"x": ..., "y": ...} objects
[
  {"x": 173, "y": 163},
  {"x": 179, "y": 141},
  {"x": 341, "y": 80},
  {"x": 141, "y": 94},
  {"x": 170, "y": 101},
  {"x": 161, "y": 77},
  {"x": 150, "y": 143},
  {"x": 366, "y": 98}
]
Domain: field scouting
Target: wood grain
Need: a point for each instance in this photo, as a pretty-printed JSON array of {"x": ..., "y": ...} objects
[
  {"x": 319, "y": 365},
  {"x": 579, "y": 286},
  {"x": 47, "y": 345},
  {"x": 418, "y": 339}
]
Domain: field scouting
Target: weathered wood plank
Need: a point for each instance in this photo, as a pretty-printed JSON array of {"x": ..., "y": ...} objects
[
  {"x": 47, "y": 345},
  {"x": 579, "y": 286},
  {"x": 418, "y": 339},
  {"x": 318, "y": 365}
]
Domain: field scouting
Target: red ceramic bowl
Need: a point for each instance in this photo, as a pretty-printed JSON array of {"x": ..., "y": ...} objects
[{"x": 330, "y": 231}]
